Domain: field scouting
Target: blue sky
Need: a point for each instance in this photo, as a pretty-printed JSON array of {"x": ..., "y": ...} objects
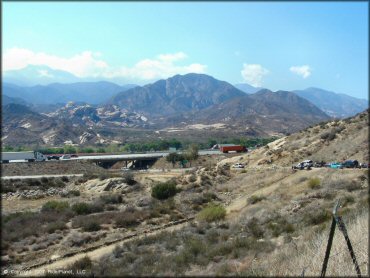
[{"x": 274, "y": 45}]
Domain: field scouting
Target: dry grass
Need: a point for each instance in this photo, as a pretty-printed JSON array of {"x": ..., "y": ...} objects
[{"x": 309, "y": 255}]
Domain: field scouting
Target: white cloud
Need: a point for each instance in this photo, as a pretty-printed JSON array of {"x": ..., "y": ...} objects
[
  {"x": 304, "y": 71},
  {"x": 253, "y": 74},
  {"x": 90, "y": 64},
  {"x": 82, "y": 65},
  {"x": 162, "y": 66}
]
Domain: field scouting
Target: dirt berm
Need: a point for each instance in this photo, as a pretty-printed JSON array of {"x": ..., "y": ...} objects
[{"x": 50, "y": 168}]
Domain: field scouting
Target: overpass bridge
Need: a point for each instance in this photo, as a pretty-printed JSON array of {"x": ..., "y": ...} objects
[{"x": 140, "y": 160}]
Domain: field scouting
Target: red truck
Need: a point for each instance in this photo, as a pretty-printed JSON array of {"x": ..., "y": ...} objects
[{"x": 237, "y": 148}]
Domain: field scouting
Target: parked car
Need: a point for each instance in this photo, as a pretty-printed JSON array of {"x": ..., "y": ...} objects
[
  {"x": 53, "y": 157},
  {"x": 238, "y": 165},
  {"x": 65, "y": 157},
  {"x": 365, "y": 165},
  {"x": 350, "y": 164},
  {"x": 299, "y": 166},
  {"x": 334, "y": 165},
  {"x": 307, "y": 163},
  {"x": 74, "y": 155},
  {"x": 319, "y": 164}
]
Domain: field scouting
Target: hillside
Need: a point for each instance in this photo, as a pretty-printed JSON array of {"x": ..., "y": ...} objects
[
  {"x": 246, "y": 88},
  {"x": 333, "y": 104},
  {"x": 220, "y": 221},
  {"x": 263, "y": 113},
  {"x": 180, "y": 93},
  {"x": 23, "y": 127}
]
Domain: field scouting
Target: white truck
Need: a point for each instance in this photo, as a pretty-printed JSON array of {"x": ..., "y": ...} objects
[{"x": 30, "y": 156}]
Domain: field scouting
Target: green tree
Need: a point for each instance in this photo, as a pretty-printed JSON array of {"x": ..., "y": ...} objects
[
  {"x": 174, "y": 157},
  {"x": 192, "y": 153}
]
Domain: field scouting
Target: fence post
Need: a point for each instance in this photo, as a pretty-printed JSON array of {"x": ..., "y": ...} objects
[{"x": 330, "y": 241}]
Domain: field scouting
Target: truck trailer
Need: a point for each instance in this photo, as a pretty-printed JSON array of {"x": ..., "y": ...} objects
[
  {"x": 30, "y": 156},
  {"x": 236, "y": 148}
]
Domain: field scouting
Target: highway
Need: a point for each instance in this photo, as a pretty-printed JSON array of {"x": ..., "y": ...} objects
[
  {"x": 126, "y": 156},
  {"x": 134, "y": 156}
]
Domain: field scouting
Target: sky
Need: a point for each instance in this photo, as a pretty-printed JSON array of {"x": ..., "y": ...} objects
[{"x": 280, "y": 46}]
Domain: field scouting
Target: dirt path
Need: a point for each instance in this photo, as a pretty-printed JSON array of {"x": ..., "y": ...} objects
[{"x": 93, "y": 255}]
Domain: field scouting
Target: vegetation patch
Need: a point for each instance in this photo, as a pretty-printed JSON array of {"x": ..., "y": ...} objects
[
  {"x": 164, "y": 190},
  {"x": 212, "y": 212},
  {"x": 314, "y": 183},
  {"x": 255, "y": 199},
  {"x": 85, "y": 208},
  {"x": 55, "y": 206}
]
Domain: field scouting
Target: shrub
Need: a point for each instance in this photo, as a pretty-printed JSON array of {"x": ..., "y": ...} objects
[
  {"x": 129, "y": 217},
  {"x": 314, "y": 183},
  {"x": 164, "y": 190},
  {"x": 91, "y": 226},
  {"x": 58, "y": 225},
  {"x": 111, "y": 199},
  {"x": 255, "y": 199},
  {"x": 84, "y": 208},
  {"x": 55, "y": 206},
  {"x": 74, "y": 193},
  {"x": 64, "y": 179},
  {"x": 128, "y": 178},
  {"x": 82, "y": 264},
  {"x": 253, "y": 227},
  {"x": 44, "y": 180},
  {"x": 280, "y": 226},
  {"x": 328, "y": 135},
  {"x": 212, "y": 213},
  {"x": 317, "y": 217}
]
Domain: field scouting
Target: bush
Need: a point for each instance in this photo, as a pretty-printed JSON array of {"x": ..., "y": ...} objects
[
  {"x": 328, "y": 135},
  {"x": 81, "y": 264},
  {"x": 317, "y": 217},
  {"x": 128, "y": 178},
  {"x": 164, "y": 190},
  {"x": 58, "y": 225},
  {"x": 253, "y": 227},
  {"x": 212, "y": 213},
  {"x": 129, "y": 218},
  {"x": 255, "y": 199},
  {"x": 91, "y": 226},
  {"x": 314, "y": 183},
  {"x": 111, "y": 199},
  {"x": 64, "y": 179},
  {"x": 74, "y": 193},
  {"x": 84, "y": 208},
  {"x": 55, "y": 206}
]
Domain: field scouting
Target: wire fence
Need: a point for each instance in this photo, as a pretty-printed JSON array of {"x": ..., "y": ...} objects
[{"x": 349, "y": 249}]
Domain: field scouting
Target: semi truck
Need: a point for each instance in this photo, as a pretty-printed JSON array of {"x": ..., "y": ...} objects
[
  {"x": 236, "y": 148},
  {"x": 30, "y": 156}
]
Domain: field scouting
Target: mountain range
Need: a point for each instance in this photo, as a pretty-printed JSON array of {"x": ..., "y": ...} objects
[
  {"x": 334, "y": 104},
  {"x": 90, "y": 92},
  {"x": 106, "y": 112},
  {"x": 180, "y": 93}
]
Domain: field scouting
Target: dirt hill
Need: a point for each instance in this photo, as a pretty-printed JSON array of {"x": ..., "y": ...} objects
[{"x": 328, "y": 141}]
